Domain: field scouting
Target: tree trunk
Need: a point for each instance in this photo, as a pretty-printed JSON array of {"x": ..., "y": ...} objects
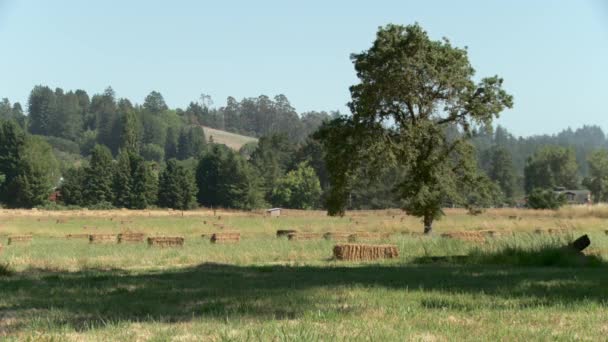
[{"x": 428, "y": 224}]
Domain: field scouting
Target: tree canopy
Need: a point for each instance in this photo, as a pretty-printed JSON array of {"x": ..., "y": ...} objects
[{"x": 411, "y": 89}]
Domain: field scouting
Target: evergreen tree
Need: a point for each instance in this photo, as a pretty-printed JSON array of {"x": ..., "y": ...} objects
[
  {"x": 122, "y": 183},
  {"x": 40, "y": 109},
  {"x": 177, "y": 187},
  {"x": 171, "y": 143},
  {"x": 191, "y": 142},
  {"x": 225, "y": 179},
  {"x": 98, "y": 177},
  {"x": 501, "y": 171},
  {"x": 129, "y": 140},
  {"x": 73, "y": 186}
]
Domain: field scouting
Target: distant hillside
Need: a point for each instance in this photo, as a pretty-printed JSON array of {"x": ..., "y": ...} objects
[{"x": 232, "y": 140}]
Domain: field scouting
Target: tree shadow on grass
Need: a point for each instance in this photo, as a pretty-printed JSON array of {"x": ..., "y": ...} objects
[{"x": 91, "y": 298}]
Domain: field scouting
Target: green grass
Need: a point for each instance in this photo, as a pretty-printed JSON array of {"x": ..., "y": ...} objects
[{"x": 264, "y": 288}]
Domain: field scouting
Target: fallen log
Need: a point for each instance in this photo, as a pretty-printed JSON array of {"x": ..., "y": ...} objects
[{"x": 580, "y": 244}]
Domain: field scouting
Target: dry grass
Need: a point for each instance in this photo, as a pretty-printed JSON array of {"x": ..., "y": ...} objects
[{"x": 361, "y": 252}]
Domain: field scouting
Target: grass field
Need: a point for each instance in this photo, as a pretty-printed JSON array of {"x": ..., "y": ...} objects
[
  {"x": 267, "y": 288},
  {"x": 232, "y": 140}
]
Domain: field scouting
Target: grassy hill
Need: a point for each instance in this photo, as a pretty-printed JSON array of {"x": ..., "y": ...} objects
[{"x": 232, "y": 140}]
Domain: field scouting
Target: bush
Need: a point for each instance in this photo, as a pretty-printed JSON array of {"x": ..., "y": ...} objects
[
  {"x": 5, "y": 270},
  {"x": 52, "y": 206},
  {"x": 63, "y": 145},
  {"x": 152, "y": 152},
  {"x": 545, "y": 199}
]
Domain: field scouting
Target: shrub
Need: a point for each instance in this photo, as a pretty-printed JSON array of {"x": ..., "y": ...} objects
[{"x": 545, "y": 199}]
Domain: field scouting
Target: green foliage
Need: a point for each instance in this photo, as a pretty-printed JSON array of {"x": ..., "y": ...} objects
[
  {"x": 271, "y": 158},
  {"x": 135, "y": 183},
  {"x": 61, "y": 144},
  {"x": 501, "y": 171},
  {"x": 73, "y": 186},
  {"x": 191, "y": 142},
  {"x": 177, "y": 187},
  {"x": 105, "y": 109},
  {"x": 550, "y": 167},
  {"x": 597, "y": 181},
  {"x": 41, "y": 106},
  {"x": 298, "y": 189},
  {"x": 129, "y": 140},
  {"x": 28, "y": 166},
  {"x": 171, "y": 143},
  {"x": 421, "y": 86},
  {"x": 14, "y": 112},
  {"x": 545, "y": 199},
  {"x": 225, "y": 179},
  {"x": 98, "y": 177},
  {"x": 153, "y": 152}
]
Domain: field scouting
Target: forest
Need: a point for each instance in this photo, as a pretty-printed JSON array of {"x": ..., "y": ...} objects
[{"x": 102, "y": 151}]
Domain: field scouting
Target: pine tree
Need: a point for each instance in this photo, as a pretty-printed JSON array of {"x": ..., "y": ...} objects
[
  {"x": 177, "y": 187},
  {"x": 129, "y": 140},
  {"x": 98, "y": 177},
  {"x": 122, "y": 182}
]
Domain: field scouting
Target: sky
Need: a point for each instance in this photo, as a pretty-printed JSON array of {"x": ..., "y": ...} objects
[{"x": 553, "y": 55}]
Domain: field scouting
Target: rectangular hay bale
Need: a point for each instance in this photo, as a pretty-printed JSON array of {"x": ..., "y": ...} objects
[
  {"x": 226, "y": 237},
  {"x": 369, "y": 236},
  {"x": 166, "y": 241},
  {"x": 102, "y": 238},
  {"x": 363, "y": 252},
  {"x": 337, "y": 236},
  {"x": 472, "y": 236},
  {"x": 131, "y": 237},
  {"x": 19, "y": 239},
  {"x": 303, "y": 236}
]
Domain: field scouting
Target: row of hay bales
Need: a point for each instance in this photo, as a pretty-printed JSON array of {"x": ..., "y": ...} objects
[{"x": 295, "y": 235}]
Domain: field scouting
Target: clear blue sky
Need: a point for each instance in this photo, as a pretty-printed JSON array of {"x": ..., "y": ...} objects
[{"x": 553, "y": 55}]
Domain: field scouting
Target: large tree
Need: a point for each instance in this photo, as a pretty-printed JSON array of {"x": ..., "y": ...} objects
[
  {"x": 225, "y": 179},
  {"x": 597, "y": 181},
  {"x": 412, "y": 90},
  {"x": 177, "y": 187},
  {"x": 550, "y": 167},
  {"x": 98, "y": 177}
]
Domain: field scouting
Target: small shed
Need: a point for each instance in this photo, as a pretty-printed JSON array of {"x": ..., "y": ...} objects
[{"x": 274, "y": 212}]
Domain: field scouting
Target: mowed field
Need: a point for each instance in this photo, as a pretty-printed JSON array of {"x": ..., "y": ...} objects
[
  {"x": 232, "y": 140},
  {"x": 265, "y": 288}
]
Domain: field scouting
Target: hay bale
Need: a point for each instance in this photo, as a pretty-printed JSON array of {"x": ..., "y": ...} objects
[
  {"x": 131, "y": 237},
  {"x": 337, "y": 236},
  {"x": 285, "y": 232},
  {"x": 369, "y": 236},
  {"x": 363, "y": 252},
  {"x": 166, "y": 241},
  {"x": 490, "y": 233},
  {"x": 473, "y": 236},
  {"x": 304, "y": 236},
  {"x": 77, "y": 236},
  {"x": 232, "y": 237},
  {"x": 19, "y": 239},
  {"x": 102, "y": 238}
]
